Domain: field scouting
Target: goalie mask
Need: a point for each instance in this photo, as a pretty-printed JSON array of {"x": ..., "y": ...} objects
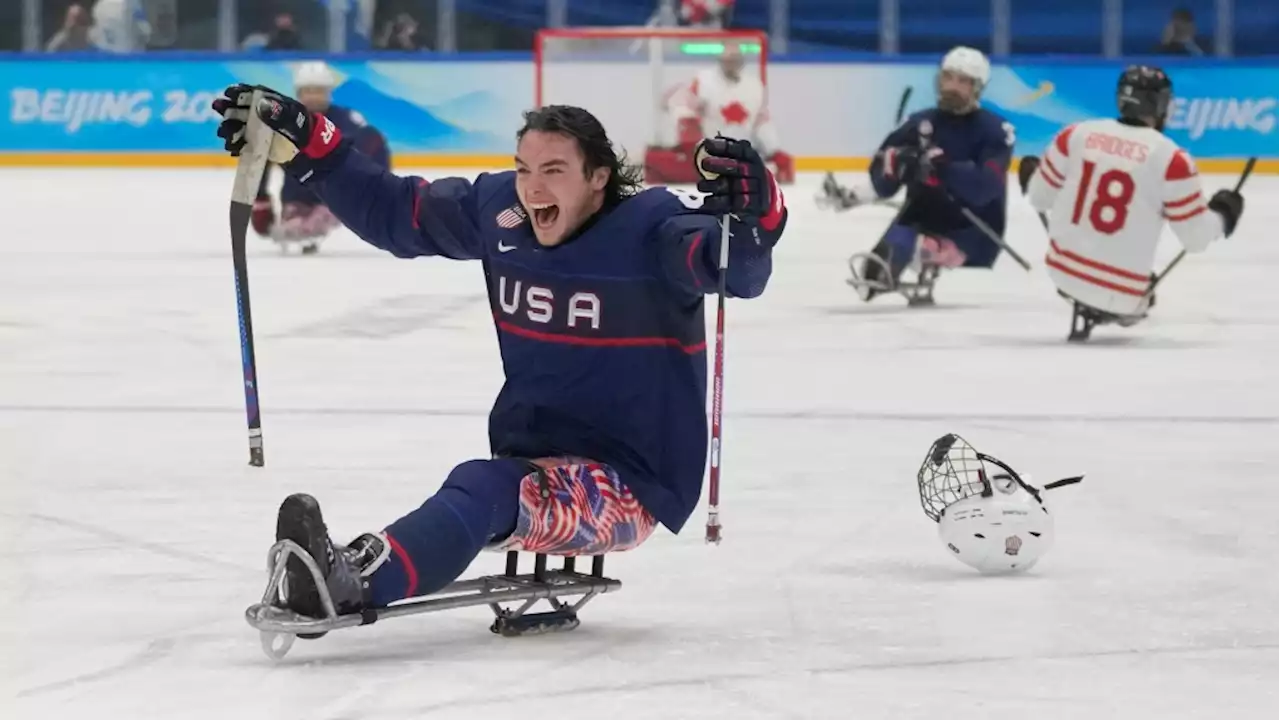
[{"x": 988, "y": 517}]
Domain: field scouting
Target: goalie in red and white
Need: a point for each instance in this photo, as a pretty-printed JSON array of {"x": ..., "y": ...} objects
[
  {"x": 725, "y": 100},
  {"x": 1109, "y": 187}
]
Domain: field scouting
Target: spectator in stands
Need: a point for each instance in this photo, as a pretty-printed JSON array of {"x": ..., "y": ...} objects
[
  {"x": 119, "y": 26},
  {"x": 74, "y": 34},
  {"x": 284, "y": 36},
  {"x": 1179, "y": 36},
  {"x": 713, "y": 14},
  {"x": 700, "y": 14},
  {"x": 400, "y": 35}
]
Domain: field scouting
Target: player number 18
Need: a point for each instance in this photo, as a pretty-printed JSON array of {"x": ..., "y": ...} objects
[{"x": 1112, "y": 195}]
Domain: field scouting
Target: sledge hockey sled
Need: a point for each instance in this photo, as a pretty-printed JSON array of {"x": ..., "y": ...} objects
[
  {"x": 510, "y": 595},
  {"x": 1085, "y": 318},
  {"x": 917, "y": 293}
]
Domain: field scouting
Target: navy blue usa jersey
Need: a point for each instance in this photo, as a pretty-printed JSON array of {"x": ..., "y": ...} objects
[
  {"x": 603, "y": 338},
  {"x": 977, "y": 149}
]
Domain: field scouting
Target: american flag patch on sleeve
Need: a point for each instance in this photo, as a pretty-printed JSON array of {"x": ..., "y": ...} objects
[{"x": 511, "y": 217}]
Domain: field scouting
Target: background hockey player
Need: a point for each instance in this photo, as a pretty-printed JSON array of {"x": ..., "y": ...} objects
[
  {"x": 1109, "y": 187},
  {"x": 597, "y": 293},
  {"x": 722, "y": 100},
  {"x": 949, "y": 157},
  {"x": 304, "y": 219}
]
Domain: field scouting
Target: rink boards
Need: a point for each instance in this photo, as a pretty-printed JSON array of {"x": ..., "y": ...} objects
[{"x": 831, "y": 111}]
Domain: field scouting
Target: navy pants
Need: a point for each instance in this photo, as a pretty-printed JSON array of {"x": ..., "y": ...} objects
[
  {"x": 434, "y": 544},
  {"x": 979, "y": 250}
]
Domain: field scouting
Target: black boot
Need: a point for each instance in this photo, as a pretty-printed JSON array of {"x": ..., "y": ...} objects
[{"x": 344, "y": 569}]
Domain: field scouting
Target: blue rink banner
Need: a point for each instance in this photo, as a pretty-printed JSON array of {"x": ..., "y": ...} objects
[
  {"x": 829, "y": 114},
  {"x": 1217, "y": 111},
  {"x": 157, "y": 106}
]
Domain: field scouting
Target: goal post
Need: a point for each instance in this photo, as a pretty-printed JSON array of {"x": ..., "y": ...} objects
[{"x": 629, "y": 76}]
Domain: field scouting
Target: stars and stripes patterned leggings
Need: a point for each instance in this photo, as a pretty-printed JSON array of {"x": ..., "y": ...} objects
[{"x": 556, "y": 506}]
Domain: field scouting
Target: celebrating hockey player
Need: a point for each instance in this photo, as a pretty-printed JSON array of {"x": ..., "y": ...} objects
[
  {"x": 1108, "y": 187},
  {"x": 305, "y": 220},
  {"x": 951, "y": 158},
  {"x": 600, "y": 430},
  {"x": 722, "y": 100}
]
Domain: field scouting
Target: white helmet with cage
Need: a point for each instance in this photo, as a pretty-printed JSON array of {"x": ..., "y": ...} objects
[{"x": 988, "y": 517}]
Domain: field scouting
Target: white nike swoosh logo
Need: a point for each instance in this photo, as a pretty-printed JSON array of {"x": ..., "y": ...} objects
[{"x": 503, "y": 247}]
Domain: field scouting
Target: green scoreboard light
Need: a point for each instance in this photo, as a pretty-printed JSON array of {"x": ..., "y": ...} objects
[{"x": 715, "y": 48}]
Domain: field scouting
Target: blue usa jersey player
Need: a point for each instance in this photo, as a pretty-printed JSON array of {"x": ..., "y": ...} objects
[
  {"x": 949, "y": 157},
  {"x": 596, "y": 287}
]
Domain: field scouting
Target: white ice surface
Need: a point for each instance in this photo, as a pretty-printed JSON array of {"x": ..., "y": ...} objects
[{"x": 133, "y": 533}]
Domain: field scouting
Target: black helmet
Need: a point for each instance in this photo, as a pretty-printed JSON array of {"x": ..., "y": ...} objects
[{"x": 1143, "y": 93}]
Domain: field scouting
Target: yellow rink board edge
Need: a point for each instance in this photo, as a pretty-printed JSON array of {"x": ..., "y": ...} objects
[{"x": 1265, "y": 166}]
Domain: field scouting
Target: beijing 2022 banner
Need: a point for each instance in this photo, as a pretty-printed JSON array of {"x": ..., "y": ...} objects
[
  {"x": 1217, "y": 111},
  {"x": 155, "y": 105},
  {"x": 824, "y": 109}
]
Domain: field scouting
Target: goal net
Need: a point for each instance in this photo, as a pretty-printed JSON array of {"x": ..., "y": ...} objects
[{"x": 630, "y": 78}]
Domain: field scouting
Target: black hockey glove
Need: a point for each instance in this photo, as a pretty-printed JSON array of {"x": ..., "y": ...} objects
[
  {"x": 735, "y": 178},
  {"x": 1026, "y": 170},
  {"x": 1230, "y": 205},
  {"x": 913, "y": 165},
  {"x": 305, "y": 131}
]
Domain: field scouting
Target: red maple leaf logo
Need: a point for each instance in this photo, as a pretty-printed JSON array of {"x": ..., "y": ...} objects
[{"x": 734, "y": 113}]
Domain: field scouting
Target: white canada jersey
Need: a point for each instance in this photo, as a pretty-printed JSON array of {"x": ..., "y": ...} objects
[
  {"x": 1108, "y": 189},
  {"x": 733, "y": 108}
]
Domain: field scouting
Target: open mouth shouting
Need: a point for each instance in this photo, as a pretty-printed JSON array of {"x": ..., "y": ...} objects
[{"x": 544, "y": 215}]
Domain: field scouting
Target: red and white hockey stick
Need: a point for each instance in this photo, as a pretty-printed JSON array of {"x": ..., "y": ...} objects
[
  {"x": 717, "y": 392},
  {"x": 717, "y": 380}
]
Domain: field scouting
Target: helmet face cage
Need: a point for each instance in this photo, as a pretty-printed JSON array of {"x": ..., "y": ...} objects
[{"x": 953, "y": 470}]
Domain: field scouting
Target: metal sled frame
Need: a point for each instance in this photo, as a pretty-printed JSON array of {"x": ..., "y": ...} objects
[
  {"x": 278, "y": 626},
  {"x": 1084, "y": 319},
  {"x": 917, "y": 293}
]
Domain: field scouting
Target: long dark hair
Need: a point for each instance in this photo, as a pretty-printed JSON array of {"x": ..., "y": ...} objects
[{"x": 625, "y": 179}]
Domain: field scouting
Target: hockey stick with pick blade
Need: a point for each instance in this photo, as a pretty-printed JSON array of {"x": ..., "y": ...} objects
[
  {"x": 1244, "y": 175},
  {"x": 717, "y": 382},
  {"x": 252, "y": 163}
]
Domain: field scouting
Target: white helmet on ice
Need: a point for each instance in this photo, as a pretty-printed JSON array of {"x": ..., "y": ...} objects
[
  {"x": 314, "y": 75},
  {"x": 988, "y": 517}
]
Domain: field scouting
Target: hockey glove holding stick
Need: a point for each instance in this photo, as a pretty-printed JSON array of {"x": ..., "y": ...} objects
[
  {"x": 735, "y": 178},
  {"x": 913, "y": 165},
  {"x": 297, "y": 129},
  {"x": 737, "y": 183},
  {"x": 1026, "y": 170},
  {"x": 1230, "y": 205}
]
